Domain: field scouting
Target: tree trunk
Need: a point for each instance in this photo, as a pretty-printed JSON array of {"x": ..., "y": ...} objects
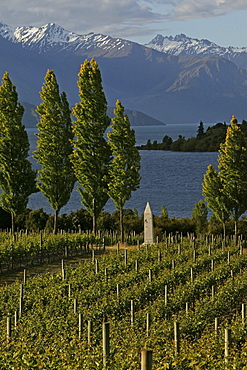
[
  {"x": 121, "y": 225},
  {"x": 224, "y": 233},
  {"x": 94, "y": 224},
  {"x": 94, "y": 218},
  {"x": 12, "y": 223},
  {"x": 55, "y": 222}
]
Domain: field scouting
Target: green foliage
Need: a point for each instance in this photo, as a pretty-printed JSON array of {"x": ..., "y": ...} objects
[
  {"x": 54, "y": 146},
  {"x": 81, "y": 220},
  {"x": 106, "y": 222},
  {"x": 164, "y": 145},
  {"x": 233, "y": 171},
  {"x": 47, "y": 332},
  {"x": 124, "y": 169},
  {"x": 131, "y": 221},
  {"x": 17, "y": 179},
  {"x": 27, "y": 250},
  {"x": 205, "y": 141},
  {"x": 164, "y": 226},
  {"x": 212, "y": 189},
  {"x": 200, "y": 130},
  {"x": 226, "y": 191},
  {"x": 91, "y": 156},
  {"x": 177, "y": 145},
  {"x": 199, "y": 215},
  {"x": 164, "y": 212},
  {"x": 36, "y": 220}
]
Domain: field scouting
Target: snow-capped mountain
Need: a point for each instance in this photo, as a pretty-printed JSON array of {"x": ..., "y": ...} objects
[
  {"x": 52, "y": 37},
  {"x": 186, "y": 84},
  {"x": 183, "y": 45}
]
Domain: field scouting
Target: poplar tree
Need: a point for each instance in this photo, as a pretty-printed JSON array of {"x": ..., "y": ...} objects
[
  {"x": 91, "y": 155},
  {"x": 199, "y": 215},
  {"x": 200, "y": 130},
  {"x": 212, "y": 189},
  {"x": 54, "y": 146},
  {"x": 232, "y": 161},
  {"x": 226, "y": 190},
  {"x": 17, "y": 178},
  {"x": 124, "y": 169}
]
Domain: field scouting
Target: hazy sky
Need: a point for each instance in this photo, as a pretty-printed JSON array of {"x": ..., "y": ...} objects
[{"x": 221, "y": 21}]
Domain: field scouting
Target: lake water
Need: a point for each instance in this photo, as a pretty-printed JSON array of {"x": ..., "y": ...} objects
[{"x": 169, "y": 178}]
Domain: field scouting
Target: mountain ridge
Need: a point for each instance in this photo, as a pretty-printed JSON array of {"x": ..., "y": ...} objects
[
  {"x": 31, "y": 117},
  {"x": 184, "y": 45},
  {"x": 170, "y": 88}
]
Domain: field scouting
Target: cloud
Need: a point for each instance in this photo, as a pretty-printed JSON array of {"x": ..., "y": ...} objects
[
  {"x": 192, "y": 9},
  {"x": 121, "y": 18},
  {"x": 82, "y": 16}
]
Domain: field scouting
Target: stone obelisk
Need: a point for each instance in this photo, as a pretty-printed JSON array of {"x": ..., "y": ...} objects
[{"x": 148, "y": 225}]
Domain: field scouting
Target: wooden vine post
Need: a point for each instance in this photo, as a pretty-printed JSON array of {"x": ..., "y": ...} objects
[
  {"x": 216, "y": 325},
  {"x": 21, "y": 300},
  {"x": 150, "y": 275},
  {"x": 146, "y": 359},
  {"x": 243, "y": 313},
  {"x": 132, "y": 312},
  {"x": 118, "y": 292},
  {"x": 80, "y": 325},
  {"x": 16, "y": 319},
  {"x": 63, "y": 270},
  {"x": 136, "y": 265},
  {"x": 106, "y": 342},
  {"x": 166, "y": 295},
  {"x": 176, "y": 337},
  {"x": 9, "y": 329},
  {"x": 96, "y": 266},
  {"x": 148, "y": 323},
  {"x": 213, "y": 292}
]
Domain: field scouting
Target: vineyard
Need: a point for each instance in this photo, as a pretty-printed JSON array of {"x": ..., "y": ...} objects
[{"x": 183, "y": 300}]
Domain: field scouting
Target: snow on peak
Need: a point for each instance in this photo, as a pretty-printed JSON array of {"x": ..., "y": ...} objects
[
  {"x": 54, "y": 37},
  {"x": 6, "y": 31},
  {"x": 41, "y": 37},
  {"x": 184, "y": 45}
]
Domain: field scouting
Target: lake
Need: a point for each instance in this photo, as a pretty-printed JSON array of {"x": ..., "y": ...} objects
[{"x": 169, "y": 178}]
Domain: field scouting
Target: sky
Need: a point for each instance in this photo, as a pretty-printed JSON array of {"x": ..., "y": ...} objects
[{"x": 221, "y": 21}]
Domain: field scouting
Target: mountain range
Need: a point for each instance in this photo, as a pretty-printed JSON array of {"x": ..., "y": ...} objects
[
  {"x": 171, "y": 79},
  {"x": 183, "y": 45}
]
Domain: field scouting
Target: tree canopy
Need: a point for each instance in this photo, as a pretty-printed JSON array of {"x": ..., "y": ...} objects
[
  {"x": 54, "y": 146},
  {"x": 124, "y": 169},
  {"x": 226, "y": 190},
  {"x": 17, "y": 178},
  {"x": 92, "y": 154}
]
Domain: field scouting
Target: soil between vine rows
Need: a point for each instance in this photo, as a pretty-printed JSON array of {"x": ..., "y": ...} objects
[{"x": 31, "y": 271}]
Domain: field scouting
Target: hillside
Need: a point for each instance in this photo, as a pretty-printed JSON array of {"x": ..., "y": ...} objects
[
  {"x": 31, "y": 117},
  {"x": 184, "y": 45},
  {"x": 208, "y": 141},
  {"x": 169, "y": 88}
]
